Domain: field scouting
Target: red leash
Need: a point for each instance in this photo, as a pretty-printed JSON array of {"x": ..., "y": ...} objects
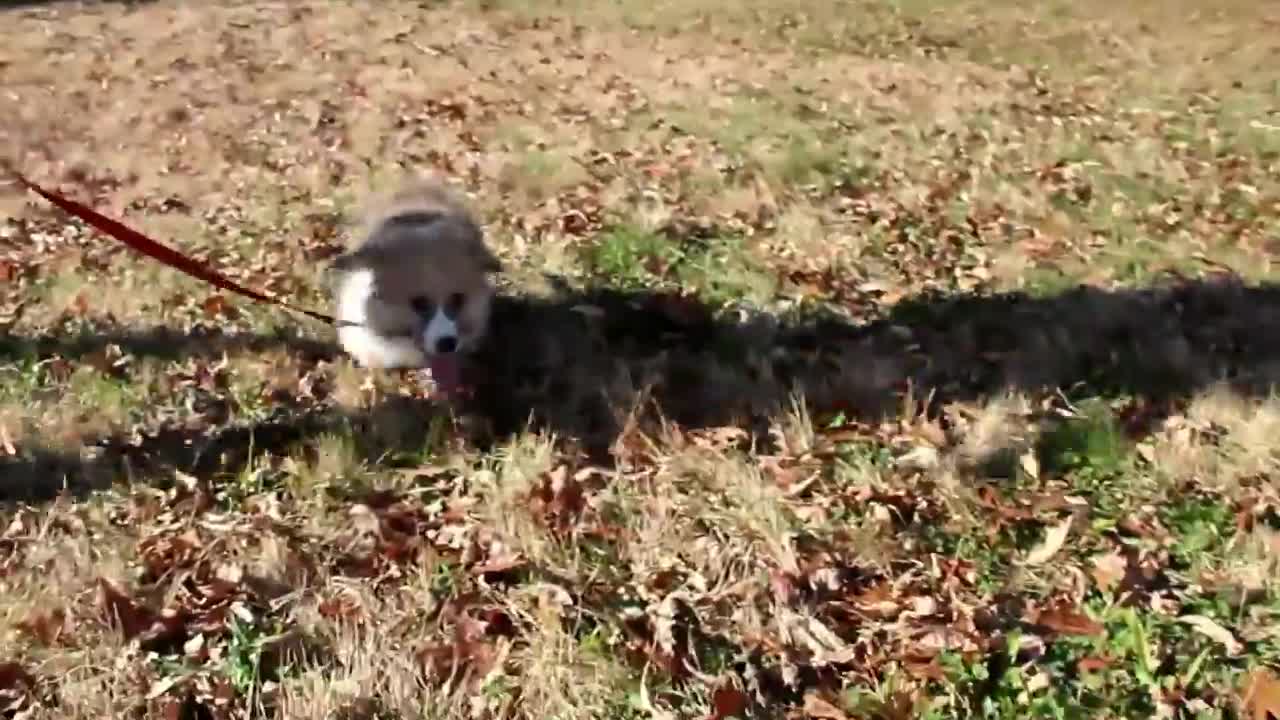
[{"x": 163, "y": 253}]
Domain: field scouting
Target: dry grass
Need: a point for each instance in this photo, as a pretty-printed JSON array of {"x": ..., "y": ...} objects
[{"x": 763, "y": 438}]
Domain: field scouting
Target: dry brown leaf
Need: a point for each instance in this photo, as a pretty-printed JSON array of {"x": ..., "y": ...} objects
[
  {"x": 500, "y": 564},
  {"x": 1092, "y": 664},
  {"x": 118, "y": 607},
  {"x": 13, "y": 675},
  {"x": 153, "y": 629},
  {"x": 824, "y": 646},
  {"x": 1212, "y": 630},
  {"x": 818, "y": 709},
  {"x": 162, "y": 686},
  {"x": 878, "y": 601},
  {"x": 560, "y": 498},
  {"x": 216, "y": 307},
  {"x": 1261, "y": 697},
  {"x": 162, "y": 554},
  {"x": 930, "y": 669},
  {"x": 340, "y": 605},
  {"x": 1108, "y": 570},
  {"x": 469, "y": 650},
  {"x": 728, "y": 701},
  {"x": 46, "y": 627},
  {"x": 15, "y": 689},
  {"x": 1069, "y": 621},
  {"x": 1054, "y": 538}
]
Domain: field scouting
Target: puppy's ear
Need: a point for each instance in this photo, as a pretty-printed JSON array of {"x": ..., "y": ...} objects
[{"x": 360, "y": 259}]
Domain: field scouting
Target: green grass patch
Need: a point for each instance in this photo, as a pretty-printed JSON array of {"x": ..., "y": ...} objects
[
  {"x": 719, "y": 269},
  {"x": 1093, "y": 439}
]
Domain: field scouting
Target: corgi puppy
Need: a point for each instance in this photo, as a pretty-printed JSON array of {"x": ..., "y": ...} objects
[{"x": 415, "y": 290}]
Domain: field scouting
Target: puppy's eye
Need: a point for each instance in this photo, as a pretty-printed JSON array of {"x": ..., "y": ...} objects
[
  {"x": 454, "y": 303},
  {"x": 421, "y": 304}
]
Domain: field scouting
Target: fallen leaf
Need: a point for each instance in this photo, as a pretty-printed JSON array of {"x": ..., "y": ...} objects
[
  {"x": 1054, "y": 538},
  {"x": 1037, "y": 682},
  {"x": 823, "y": 645},
  {"x": 500, "y": 564},
  {"x": 469, "y": 650},
  {"x": 930, "y": 669},
  {"x": 216, "y": 307},
  {"x": 1108, "y": 570},
  {"x": 46, "y": 627},
  {"x": 153, "y": 629},
  {"x": 1261, "y": 697},
  {"x": 1029, "y": 464},
  {"x": 728, "y": 701},
  {"x": 1067, "y": 621},
  {"x": 1092, "y": 664},
  {"x": 819, "y": 709},
  {"x": 992, "y": 500},
  {"x": 15, "y": 690},
  {"x": 162, "y": 686},
  {"x": 12, "y": 675},
  {"x": 118, "y": 607},
  {"x": 242, "y": 612},
  {"x": 1212, "y": 630},
  {"x": 194, "y": 647},
  {"x": 163, "y": 554},
  {"x": 343, "y": 605},
  {"x": 560, "y": 498}
]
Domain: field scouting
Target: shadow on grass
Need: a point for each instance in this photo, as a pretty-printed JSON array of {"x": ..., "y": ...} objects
[
  {"x": 165, "y": 343},
  {"x": 576, "y": 364}
]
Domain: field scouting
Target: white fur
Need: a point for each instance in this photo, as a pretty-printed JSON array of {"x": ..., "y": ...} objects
[
  {"x": 365, "y": 345},
  {"x": 441, "y": 326}
]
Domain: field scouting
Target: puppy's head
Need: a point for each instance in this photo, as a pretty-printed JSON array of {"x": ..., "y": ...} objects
[{"x": 427, "y": 274}]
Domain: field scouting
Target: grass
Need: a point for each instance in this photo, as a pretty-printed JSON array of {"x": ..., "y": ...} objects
[{"x": 877, "y": 359}]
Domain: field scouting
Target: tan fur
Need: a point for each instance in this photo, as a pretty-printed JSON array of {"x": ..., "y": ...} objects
[{"x": 399, "y": 259}]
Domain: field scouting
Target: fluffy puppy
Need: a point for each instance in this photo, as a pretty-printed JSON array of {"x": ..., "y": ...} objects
[{"x": 415, "y": 290}]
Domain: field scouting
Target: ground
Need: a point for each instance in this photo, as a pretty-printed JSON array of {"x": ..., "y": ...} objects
[{"x": 858, "y": 359}]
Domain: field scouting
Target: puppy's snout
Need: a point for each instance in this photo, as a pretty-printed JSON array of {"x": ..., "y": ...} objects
[{"x": 446, "y": 344}]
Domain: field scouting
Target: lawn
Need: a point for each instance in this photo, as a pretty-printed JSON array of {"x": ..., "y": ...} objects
[{"x": 856, "y": 359}]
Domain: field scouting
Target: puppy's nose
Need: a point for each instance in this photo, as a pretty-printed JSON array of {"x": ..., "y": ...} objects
[{"x": 446, "y": 344}]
